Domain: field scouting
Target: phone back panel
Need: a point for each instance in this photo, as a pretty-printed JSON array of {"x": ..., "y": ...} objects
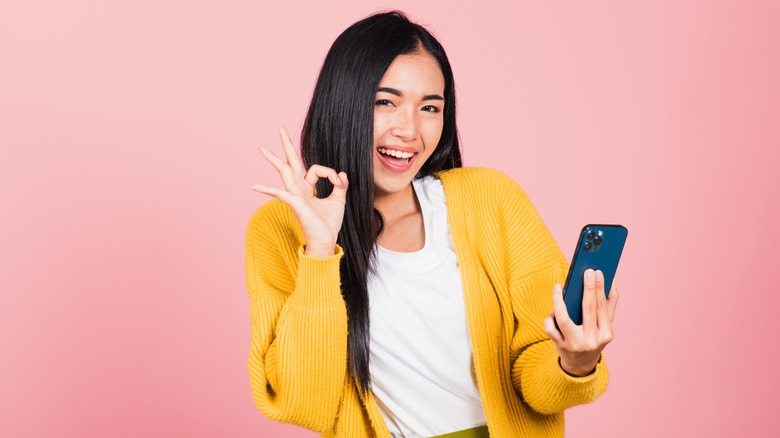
[{"x": 599, "y": 247}]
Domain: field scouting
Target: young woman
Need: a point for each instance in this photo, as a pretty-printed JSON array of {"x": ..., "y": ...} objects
[{"x": 394, "y": 292}]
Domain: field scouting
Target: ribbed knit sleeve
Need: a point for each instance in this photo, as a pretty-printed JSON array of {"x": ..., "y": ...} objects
[
  {"x": 297, "y": 360},
  {"x": 510, "y": 263},
  {"x": 534, "y": 263}
]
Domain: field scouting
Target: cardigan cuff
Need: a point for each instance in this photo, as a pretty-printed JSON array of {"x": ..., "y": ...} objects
[
  {"x": 548, "y": 389},
  {"x": 319, "y": 279}
]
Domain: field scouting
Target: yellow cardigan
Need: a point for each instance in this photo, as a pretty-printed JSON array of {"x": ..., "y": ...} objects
[{"x": 509, "y": 263}]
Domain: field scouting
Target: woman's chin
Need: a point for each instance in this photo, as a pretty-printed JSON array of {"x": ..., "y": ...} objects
[{"x": 391, "y": 185}]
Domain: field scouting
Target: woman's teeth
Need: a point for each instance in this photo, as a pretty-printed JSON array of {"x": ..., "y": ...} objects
[{"x": 398, "y": 154}]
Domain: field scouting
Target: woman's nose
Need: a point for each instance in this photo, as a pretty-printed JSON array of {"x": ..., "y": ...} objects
[{"x": 405, "y": 126}]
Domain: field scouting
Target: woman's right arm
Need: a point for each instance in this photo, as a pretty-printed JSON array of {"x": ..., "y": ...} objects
[
  {"x": 298, "y": 358},
  {"x": 297, "y": 361}
]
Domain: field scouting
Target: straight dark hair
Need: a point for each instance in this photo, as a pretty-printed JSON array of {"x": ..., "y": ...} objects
[{"x": 339, "y": 133}]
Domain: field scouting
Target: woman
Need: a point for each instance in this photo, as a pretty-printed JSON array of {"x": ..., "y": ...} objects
[{"x": 410, "y": 296}]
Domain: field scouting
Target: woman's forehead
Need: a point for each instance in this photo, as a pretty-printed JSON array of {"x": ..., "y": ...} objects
[{"x": 417, "y": 72}]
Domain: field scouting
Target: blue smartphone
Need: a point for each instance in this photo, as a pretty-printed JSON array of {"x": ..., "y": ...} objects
[{"x": 599, "y": 248}]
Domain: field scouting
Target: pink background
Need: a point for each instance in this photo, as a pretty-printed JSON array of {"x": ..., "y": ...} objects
[{"x": 129, "y": 134}]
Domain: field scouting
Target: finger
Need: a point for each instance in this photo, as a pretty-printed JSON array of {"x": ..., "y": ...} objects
[
  {"x": 340, "y": 190},
  {"x": 589, "y": 301},
  {"x": 552, "y": 331},
  {"x": 276, "y": 192},
  {"x": 612, "y": 301},
  {"x": 285, "y": 172},
  {"x": 316, "y": 172},
  {"x": 293, "y": 158},
  {"x": 601, "y": 301},
  {"x": 565, "y": 323}
]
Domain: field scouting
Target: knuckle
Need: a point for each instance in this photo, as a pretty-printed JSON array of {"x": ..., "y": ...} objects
[
  {"x": 588, "y": 306},
  {"x": 549, "y": 327},
  {"x": 565, "y": 323}
]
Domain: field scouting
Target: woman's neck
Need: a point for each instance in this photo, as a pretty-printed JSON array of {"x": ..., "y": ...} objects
[
  {"x": 394, "y": 205},
  {"x": 404, "y": 230}
]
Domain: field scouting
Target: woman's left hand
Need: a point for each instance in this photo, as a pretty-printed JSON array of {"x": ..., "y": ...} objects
[{"x": 579, "y": 346}]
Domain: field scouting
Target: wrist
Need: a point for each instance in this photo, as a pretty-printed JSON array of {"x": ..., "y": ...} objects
[
  {"x": 578, "y": 371},
  {"x": 319, "y": 251}
]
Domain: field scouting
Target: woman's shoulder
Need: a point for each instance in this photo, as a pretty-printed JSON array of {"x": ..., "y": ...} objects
[
  {"x": 482, "y": 175},
  {"x": 274, "y": 208},
  {"x": 481, "y": 182},
  {"x": 273, "y": 215}
]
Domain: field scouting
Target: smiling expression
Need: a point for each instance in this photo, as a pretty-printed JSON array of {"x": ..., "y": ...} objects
[{"x": 408, "y": 120}]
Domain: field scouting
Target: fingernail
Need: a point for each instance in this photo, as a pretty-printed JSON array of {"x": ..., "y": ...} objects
[
  {"x": 557, "y": 288},
  {"x": 589, "y": 275}
]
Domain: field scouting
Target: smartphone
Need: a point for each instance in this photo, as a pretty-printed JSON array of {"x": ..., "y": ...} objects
[{"x": 599, "y": 248}]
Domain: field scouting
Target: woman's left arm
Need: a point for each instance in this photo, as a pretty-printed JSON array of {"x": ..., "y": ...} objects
[
  {"x": 550, "y": 370},
  {"x": 553, "y": 373}
]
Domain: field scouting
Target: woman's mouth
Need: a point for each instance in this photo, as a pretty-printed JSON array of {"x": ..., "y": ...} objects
[{"x": 395, "y": 160}]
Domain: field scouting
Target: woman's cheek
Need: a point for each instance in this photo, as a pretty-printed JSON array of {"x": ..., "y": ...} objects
[{"x": 433, "y": 133}]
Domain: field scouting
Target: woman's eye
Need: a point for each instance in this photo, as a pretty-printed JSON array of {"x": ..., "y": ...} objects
[
  {"x": 431, "y": 109},
  {"x": 383, "y": 102}
]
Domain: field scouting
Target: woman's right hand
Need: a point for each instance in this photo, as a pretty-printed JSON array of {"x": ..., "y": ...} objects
[{"x": 320, "y": 219}]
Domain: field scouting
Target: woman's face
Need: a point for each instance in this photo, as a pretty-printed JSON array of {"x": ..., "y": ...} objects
[{"x": 408, "y": 119}]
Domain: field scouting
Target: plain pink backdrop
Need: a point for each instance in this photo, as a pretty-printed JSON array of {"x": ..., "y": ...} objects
[{"x": 129, "y": 134}]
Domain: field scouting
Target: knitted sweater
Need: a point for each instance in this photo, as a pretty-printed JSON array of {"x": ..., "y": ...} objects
[{"x": 509, "y": 264}]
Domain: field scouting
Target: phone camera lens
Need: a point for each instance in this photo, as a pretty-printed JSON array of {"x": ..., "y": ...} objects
[
  {"x": 591, "y": 235},
  {"x": 597, "y": 241},
  {"x": 588, "y": 246}
]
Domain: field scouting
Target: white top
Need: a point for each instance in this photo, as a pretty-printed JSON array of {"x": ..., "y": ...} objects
[{"x": 421, "y": 357}]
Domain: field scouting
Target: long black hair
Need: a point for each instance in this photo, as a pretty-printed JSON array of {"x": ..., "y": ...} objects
[{"x": 338, "y": 133}]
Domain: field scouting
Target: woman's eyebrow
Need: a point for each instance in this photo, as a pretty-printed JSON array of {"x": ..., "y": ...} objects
[
  {"x": 389, "y": 90},
  {"x": 399, "y": 94}
]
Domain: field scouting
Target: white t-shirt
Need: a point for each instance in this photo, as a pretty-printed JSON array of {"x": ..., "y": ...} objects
[{"x": 421, "y": 357}]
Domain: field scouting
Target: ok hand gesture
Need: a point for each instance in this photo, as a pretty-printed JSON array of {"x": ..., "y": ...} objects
[
  {"x": 320, "y": 219},
  {"x": 579, "y": 347}
]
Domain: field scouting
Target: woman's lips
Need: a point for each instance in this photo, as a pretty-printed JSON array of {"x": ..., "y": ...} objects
[{"x": 395, "y": 164}]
